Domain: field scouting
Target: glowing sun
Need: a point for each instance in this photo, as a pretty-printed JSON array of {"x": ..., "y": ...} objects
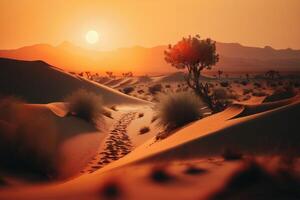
[{"x": 92, "y": 37}]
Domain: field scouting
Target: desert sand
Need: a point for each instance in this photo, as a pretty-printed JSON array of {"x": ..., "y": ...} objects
[{"x": 114, "y": 160}]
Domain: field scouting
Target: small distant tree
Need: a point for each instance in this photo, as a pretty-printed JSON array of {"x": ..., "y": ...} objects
[
  {"x": 195, "y": 55},
  {"x": 127, "y": 74},
  {"x": 220, "y": 73},
  {"x": 247, "y": 76},
  {"x": 110, "y": 75}
]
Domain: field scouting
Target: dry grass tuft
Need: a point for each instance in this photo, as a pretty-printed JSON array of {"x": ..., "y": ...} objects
[
  {"x": 178, "y": 109},
  {"x": 85, "y": 105}
]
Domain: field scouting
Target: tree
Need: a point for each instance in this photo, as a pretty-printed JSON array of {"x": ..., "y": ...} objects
[
  {"x": 110, "y": 75},
  {"x": 247, "y": 76},
  {"x": 195, "y": 54},
  {"x": 127, "y": 74}
]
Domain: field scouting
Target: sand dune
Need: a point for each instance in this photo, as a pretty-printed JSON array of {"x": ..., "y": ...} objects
[
  {"x": 67, "y": 143},
  {"x": 266, "y": 130},
  {"x": 38, "y": 82}
]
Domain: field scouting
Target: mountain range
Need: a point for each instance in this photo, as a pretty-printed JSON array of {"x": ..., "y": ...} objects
[{"x": 234, "y": 57}]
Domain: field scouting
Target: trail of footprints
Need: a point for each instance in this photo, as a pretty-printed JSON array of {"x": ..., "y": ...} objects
[{"x": 117, "y": 144}]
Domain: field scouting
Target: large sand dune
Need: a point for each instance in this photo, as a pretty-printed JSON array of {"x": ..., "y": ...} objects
[
  {"x": 264, "y": 131},
  {"x": 38, "y": 82}
]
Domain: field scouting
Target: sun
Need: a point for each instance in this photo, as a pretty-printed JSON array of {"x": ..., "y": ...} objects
[{"x": 92, "y": 37}]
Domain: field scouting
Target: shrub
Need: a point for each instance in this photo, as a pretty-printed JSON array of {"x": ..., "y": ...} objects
[
  {"x": 247, "y": 91},
  {"x": 220, "y": 93},
  {"x": 128, "y": 90},
  {"x": 144, "y": 130},
  {"x": 178, "y": 109},
  {"x": 168, "y": 86},
  {"x": 155, "y": 88},
  {"x": 140, "y": 91},
  {"x": 141, "y": 115},
  {"x": 224, "y": 84},
  {"x": 85, "y": 105}
]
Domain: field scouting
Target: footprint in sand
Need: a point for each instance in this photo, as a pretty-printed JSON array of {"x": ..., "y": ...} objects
[{"x": 117, "y": 143}]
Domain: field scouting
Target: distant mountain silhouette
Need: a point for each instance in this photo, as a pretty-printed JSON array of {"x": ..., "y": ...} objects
[{"x": 141, "y": 60}]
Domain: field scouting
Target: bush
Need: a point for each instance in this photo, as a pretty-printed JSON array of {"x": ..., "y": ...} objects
[
  {"x": 224, "y": 84},
  {"x": 144, "y": 130},
  {"x": 220, "y": 93},
  {"x": 155, "y": 88},
  {"x": 141, "y": 115},
  {"x": 140, "y": 91},
  {"x": 85, "y": 105},
  {"x": 247, "y": 91},
  {"x": 178, "y": 109},
  {"x": 128, "y": 90}
]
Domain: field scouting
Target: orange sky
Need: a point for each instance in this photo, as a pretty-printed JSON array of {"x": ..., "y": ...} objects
[{"x": 122, "y": 23}]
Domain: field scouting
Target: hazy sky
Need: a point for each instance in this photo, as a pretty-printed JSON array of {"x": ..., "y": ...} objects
[{"x": 123, "y": 23}]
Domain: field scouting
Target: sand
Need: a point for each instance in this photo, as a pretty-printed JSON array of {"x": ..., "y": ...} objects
[{"x": 116, "y": 160}]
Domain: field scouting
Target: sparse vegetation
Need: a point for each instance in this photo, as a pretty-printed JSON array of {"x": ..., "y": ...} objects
[
  {"x": 224, "y": 84},
  {"x": 195, "y": 54},
  {"x": 128, "y": 90},
  {"x": 247, "y": 91},
  {"x": 140, "y": 91},
  {"x": 155, "y": 88},
  {"x": 144, "y": 130},
  {"x": 85, "y": 105},
  {"x": 178, "y": 109}
]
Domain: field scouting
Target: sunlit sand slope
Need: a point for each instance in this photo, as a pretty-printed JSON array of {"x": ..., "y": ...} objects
[{"x": 268, "y": 132}]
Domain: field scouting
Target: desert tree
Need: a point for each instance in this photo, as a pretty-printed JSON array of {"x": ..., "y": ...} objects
[
  {"x": 88, "y": 74},
  {"x": 110, "y": 75},
  {"x": 247, "y": 76},
  {"x": 195, "y": 55},
  {"x": 127, "y": 74}
]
